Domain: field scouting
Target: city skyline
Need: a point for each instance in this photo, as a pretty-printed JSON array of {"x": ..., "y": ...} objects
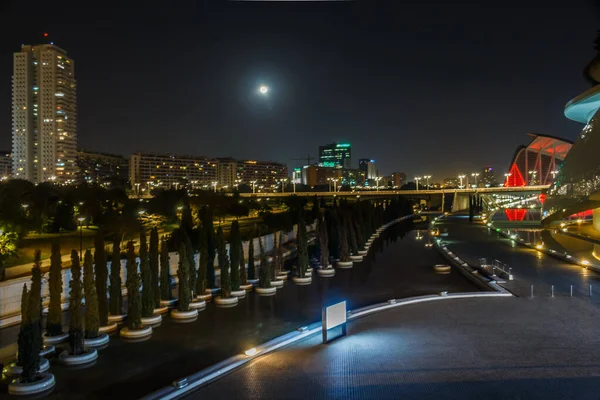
[{"x": 215, "y": 96}]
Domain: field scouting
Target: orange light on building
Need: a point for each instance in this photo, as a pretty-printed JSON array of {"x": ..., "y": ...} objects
[{"x": 45, "y": 34}]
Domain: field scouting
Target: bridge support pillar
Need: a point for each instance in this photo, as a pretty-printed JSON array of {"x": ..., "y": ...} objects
[{"x": 461, "y": 202}]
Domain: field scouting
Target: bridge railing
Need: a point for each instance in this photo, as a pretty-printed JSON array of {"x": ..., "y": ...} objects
[{"x": 496, "y": 269}]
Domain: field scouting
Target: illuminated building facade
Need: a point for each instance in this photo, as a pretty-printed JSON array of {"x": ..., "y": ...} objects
[
  {"x": 488, "y": 178},
  {"x": 368, "y": 167},
  {"x": 313, "y": 175},
  {"x": 538, "y": 162},
  {"x": 336, "y": 154},
  {"x": 5, "y": 165},
  {"x": 44, "y": 114},
  {"x": 398, "y": 179},
  {"x": 227, "y": 172},
  {"x": 264, "y": 173},
  {"x": 102, "y": 168}
]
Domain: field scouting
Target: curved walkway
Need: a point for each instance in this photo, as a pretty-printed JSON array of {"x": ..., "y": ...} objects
[{"x": 484, "y": 348}]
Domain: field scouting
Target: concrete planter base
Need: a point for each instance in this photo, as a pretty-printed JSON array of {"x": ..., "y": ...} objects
[
  {"x": 136, "y": 333},
  {"x": 363, "y": 252},
  {"x": 326, "y": 273},
  {"x": 302, "y": 281},
  {"x": 281, "y": 277},
  {"x": 204, "y": 297},
  {"x": 47, "y": 350},
  {"x": 44, "y": 383},
  {"x": 98, "y": 341},
  {"x": 155, "y": 319},
  {"x": 55, "y": 339},
  {"x": 240, "y": 294},
  {"x": 168, "y": 303},
  {"x": 108, "y": 328},
  {"x": 226, "y": 301},
  {"x": 183, "y": 315},
  {"x": 198, "y": 305},
  {"x": 85, "y": 358},
  {"x": 14, "y": 370},
  {"x": 442, "y": 269},
  {"x": 345, "y": 264},
  {"x": 117, "y": 318},
  {"x": 356, "y": 258},
  {"x": 309, "y": 270},
  {"x": 247, "y": 287},
  {"x": 161, "y": 310},
  {"x": 253, "y": 282},
  {"x": 266, "y": 291},
  {"x": 278, "y": 283}
]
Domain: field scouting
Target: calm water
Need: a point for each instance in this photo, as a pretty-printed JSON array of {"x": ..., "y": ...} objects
[{"x": 398, "y": 265}]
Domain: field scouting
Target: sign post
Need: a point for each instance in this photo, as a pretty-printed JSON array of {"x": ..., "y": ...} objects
[{"x": 334, "y": 317}]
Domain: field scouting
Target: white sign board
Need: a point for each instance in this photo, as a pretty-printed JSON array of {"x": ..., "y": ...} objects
[{"x": 335, "y": 315}]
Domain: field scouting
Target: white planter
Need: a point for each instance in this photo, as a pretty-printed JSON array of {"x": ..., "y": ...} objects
[
  {"x": 86, "y": 357},
  {"x": 155, "y": 319},
  {"x": 98, "y": 341},
  {"x": 345, "y": 264},
  {"x": 247, "y": 287},
  {"x": 363, "y": 252},
  {"x": 44, "y": 383},
  {"x": 108, "y": 328},
  {"x": 161, "y": 310},
  {"x": 212, "y": 291},
  {"x": 239, "y": 293},
  {"x": 266, "y": 291},
  {"x": 168, "y": 303},
  {"x": 14, "y": 370},
  {"x": 117, "y": 318},
  {"x": 47, "y": 350},
  {"x": 182, "y": 315},
  {"x": 356, "y": 258},
  {"x": 204, "y": 297},
  {"x": 277, "y": 283},
  {"x": 136, "y": 333},
  {"x": 226, "y": 301},
  {"x": 442, "y": 269},
  {"x": 198, "y": 305},
  {"x": 326, "y": 273},
  {"x": 281, "y": 277},
  {"x": 56, "y": 339},
  {"x": 309, "y": 270},
  {"x": 302, "y": 281}
]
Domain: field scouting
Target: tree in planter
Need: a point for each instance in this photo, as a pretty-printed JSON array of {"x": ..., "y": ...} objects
[
  {"x": 251, "y": 268},
  {"x": 203, "y": 263},
  {"x": 147, "y": 295},
  {"x": 101, "y": 279},
  {"x": 183, "y": 272},
  {"x": 207, "y": 222},
  {"x": 243, "y": 272},
  {"x": 235, "y": 241},
  {"x": 165, "y": 274},
  {"x": 223, "y": 264},
  {"x": 343, "y": 229},
  {"x": 189, "y": 251},
  {"x": 134, "y": 315},
  {"x": 351, "y": 233},
  {"x": 92, "y": 318},
  {"x": 116, "y": 298},
  {"x": 333, "y": 232},
  {"x": 323, "y": 241},
  {"x": 24, "y": 308},
  {"x": 30, "y": 335},
  {"x": 275, "y": 267},
  {"x": 264, "y": 275},
  {"x": 301, "y": 241},
  {"x": 54, "y": 320},
  {"x": 153, "y": 263},
  {"x": 75, "y": 309}
]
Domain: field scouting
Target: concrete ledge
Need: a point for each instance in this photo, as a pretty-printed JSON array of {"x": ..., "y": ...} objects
[
  {"x": 85, "y": 358},
  {"x": 98, "y": 341}
]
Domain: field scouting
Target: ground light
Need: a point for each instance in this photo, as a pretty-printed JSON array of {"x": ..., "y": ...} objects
[
  {"x": 251, "y": 352},
  {"x": 585, "y": 262},
  {"x": 539, "y": 247}
]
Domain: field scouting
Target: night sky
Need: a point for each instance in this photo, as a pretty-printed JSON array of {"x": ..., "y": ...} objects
[{"x": 425, "y": 88}]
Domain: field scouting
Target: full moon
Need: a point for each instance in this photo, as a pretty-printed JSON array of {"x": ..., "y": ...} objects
[{"x": 263, "y": 89}]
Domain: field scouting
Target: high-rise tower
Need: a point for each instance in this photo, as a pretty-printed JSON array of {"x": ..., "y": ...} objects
[{"x": 44, "y": 112}]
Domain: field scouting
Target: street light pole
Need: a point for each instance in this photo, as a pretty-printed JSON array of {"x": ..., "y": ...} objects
[
  {"x": 461, "y": 177},
  {"x": 417, "y": 179},
  {"x": 476, "y": 176},
  {"x": 507, "y": 176},
  {"x": 427, "y": 180}
]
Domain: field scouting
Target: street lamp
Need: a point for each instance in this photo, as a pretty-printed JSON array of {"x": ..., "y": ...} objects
[
  {"x": 476, "y": 175},
  {"x": 533, "y": 174},
  {"x": 461, "y": 177},
  {"x": 507, "y": 176},
  {"x": 283, "y": 182},
  {"x": 417, "y": 179},
  {"x": 378, "y": 179},
  {"x": 254, "y": 186},
  {"x": 81, "y": 219},
  {"x": 427, "y": 180},
  {"x": 215, "y": 186},
  {"x": 554, "y": 174}
]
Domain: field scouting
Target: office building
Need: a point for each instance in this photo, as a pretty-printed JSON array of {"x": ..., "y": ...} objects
[
  {"x": 335, "y": 154},
  {"x": 5, "y": 165},
  {"x": 353, "y": 177},
  {"x": 44, "y": 114},
  {"x": 488, "y": 179},
  {"x": 102, "y": 168},
  {"x": 263, "y": 173},
  {"x": 149, "y": 170},
  {"x": 313, "y": 175},
  {"x": 451, "y": 182},
  {"x": 227, "y": 173},
  {"x": 368, "y": 167},
  {"x": 398, "y": 179}
]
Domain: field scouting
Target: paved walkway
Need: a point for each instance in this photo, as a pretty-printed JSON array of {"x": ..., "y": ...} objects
[{"x": 511, "y": 348}]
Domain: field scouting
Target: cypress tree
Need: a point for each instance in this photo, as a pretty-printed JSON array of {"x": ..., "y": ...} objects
[
  {"x": 30, "y": 336},
  {"x": 147, "y": 295},
  {"x": 54, "y": 320},
  {"x": 203, "y": 262},
  {"x": 323, "y": 241},
  {"x": 210, "y": 240},
  {"x": 92, "y": 318},
  {"x": 165, "y": 273},
  {"x": 351, "y": 234},
  {"x": 153, "y": 262},
  {"x": 243, "y": 272},
  {"x": 343, "y": 230},
  {"x": 223, "y": 264},
  {"x": 264, "y": 274},
  {"x": 302, "y": 248},
  {"x": 101, "y": 279},
  {"x": 75, "y": 311},
  {"x": 189, "y": 252},
  {"x": 251, "y": 269},
  {"x": 333, "y": 232},
  {"x": 20, "y": 341},
  {"x": 183, "y": 271},
  {"x": 275, "y": 263},
  {"x": 234, "y": 253},
  {"x": 134, "y": 315},
  {"x": 116, "y": 298}
]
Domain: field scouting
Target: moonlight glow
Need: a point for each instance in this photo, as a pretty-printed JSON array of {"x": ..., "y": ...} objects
[{"x": 263, "y": 89}]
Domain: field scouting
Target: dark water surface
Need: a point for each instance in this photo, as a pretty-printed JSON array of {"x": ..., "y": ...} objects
[{"x": 398, "y": 265}]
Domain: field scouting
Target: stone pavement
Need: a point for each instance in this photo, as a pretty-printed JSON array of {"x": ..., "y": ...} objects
[{"x": 484, "y": 348}]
